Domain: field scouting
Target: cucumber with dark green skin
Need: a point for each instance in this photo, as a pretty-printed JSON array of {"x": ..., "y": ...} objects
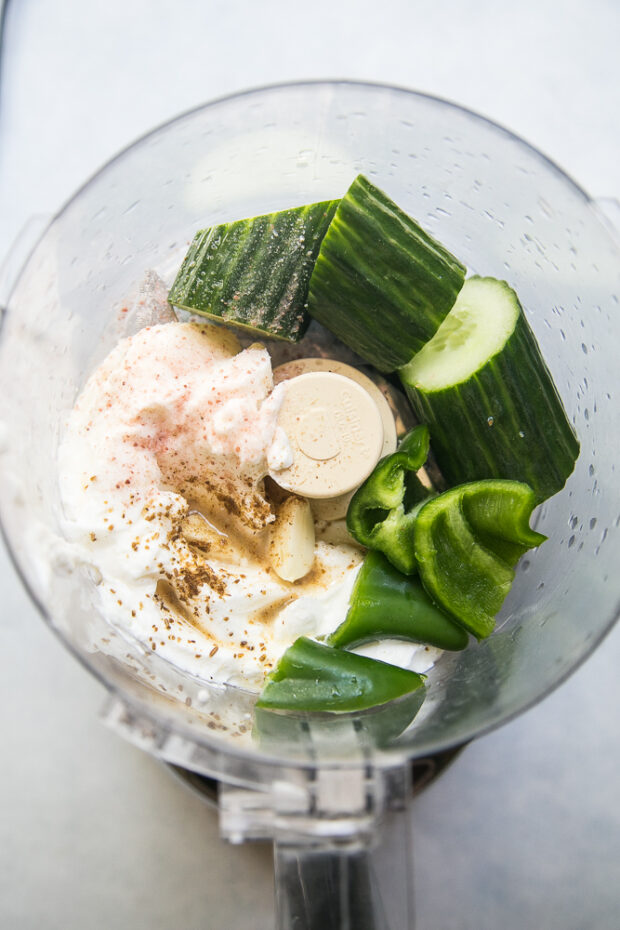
[
  {"x": 482, "y": 387},
  {"x": 254, "y": 273},
  {"x": 380, "y": 283}
]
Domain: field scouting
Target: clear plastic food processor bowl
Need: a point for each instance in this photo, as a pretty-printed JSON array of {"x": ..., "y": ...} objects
[{"x": 331, "y": 794}]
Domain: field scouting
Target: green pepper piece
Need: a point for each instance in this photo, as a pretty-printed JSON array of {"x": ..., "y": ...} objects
[
  {"x": 467, "y": 542},
  {"x": 314, "y": 677},
  {"x": 300, "y": 730},
  {"x": 382, "y": 511},
  {"x": 385, "y": 604}
]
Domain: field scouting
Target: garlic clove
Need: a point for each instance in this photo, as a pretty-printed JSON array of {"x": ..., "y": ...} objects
[{"x": 291, "y": 544}]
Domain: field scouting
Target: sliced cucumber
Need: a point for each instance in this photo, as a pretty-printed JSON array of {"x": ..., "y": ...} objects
[
  {"x": 487, "y": 396},
  {"x": 380, "y": 283},
  {"x": 254, "y": 273}
]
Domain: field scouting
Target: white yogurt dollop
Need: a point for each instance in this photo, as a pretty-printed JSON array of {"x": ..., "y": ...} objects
[{"x": 161, "y": 473}]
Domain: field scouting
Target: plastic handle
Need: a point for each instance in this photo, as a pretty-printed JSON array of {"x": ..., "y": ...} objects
[
  {"x": 330, "y": 890},
  {"x": 357, "y": 882}
]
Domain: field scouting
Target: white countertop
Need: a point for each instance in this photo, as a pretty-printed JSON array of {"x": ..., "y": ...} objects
[{"x": 524, "y": 829}]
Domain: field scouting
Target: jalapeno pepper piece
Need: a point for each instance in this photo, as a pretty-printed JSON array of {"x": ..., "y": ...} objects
[
  {"x": 382, "y": 511},
  {"x": 314, "y": 677},
  {"x": 467, "y": 542},
  {"x": 373, "y": 727},
  {"x": 385, "y": 604}
]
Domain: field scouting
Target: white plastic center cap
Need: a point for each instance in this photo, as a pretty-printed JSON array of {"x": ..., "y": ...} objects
[
  {"x": 336, "y": 433},
  {"x": 318, "y": 437}
]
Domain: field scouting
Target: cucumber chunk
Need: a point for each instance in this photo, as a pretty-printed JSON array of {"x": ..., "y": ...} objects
[
  {"x": 254, "y": 273},
  {"x": 487, "y": 396},
  {"x": 380, "y": 283}
]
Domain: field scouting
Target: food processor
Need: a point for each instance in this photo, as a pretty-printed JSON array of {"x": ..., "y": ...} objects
[{"x": 330, "y": 791}]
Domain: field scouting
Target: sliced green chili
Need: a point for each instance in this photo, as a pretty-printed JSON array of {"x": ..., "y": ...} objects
[
  {"x": 382, "y": 511},
  {"x": 467, "y": 542},
  {"x": 387, "y": 604},
  {"x": 314, "y": 677}
]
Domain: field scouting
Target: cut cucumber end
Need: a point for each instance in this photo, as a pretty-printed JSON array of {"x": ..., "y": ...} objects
[
  {"x": 476, "y": 329},
  {"x": 483, "y": 388}
]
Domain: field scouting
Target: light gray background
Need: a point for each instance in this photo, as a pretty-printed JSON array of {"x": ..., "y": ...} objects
[{"x": 524, "y": 830}]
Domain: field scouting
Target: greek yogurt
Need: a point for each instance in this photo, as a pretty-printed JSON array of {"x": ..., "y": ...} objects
[{"x": 162, "y": 469}]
